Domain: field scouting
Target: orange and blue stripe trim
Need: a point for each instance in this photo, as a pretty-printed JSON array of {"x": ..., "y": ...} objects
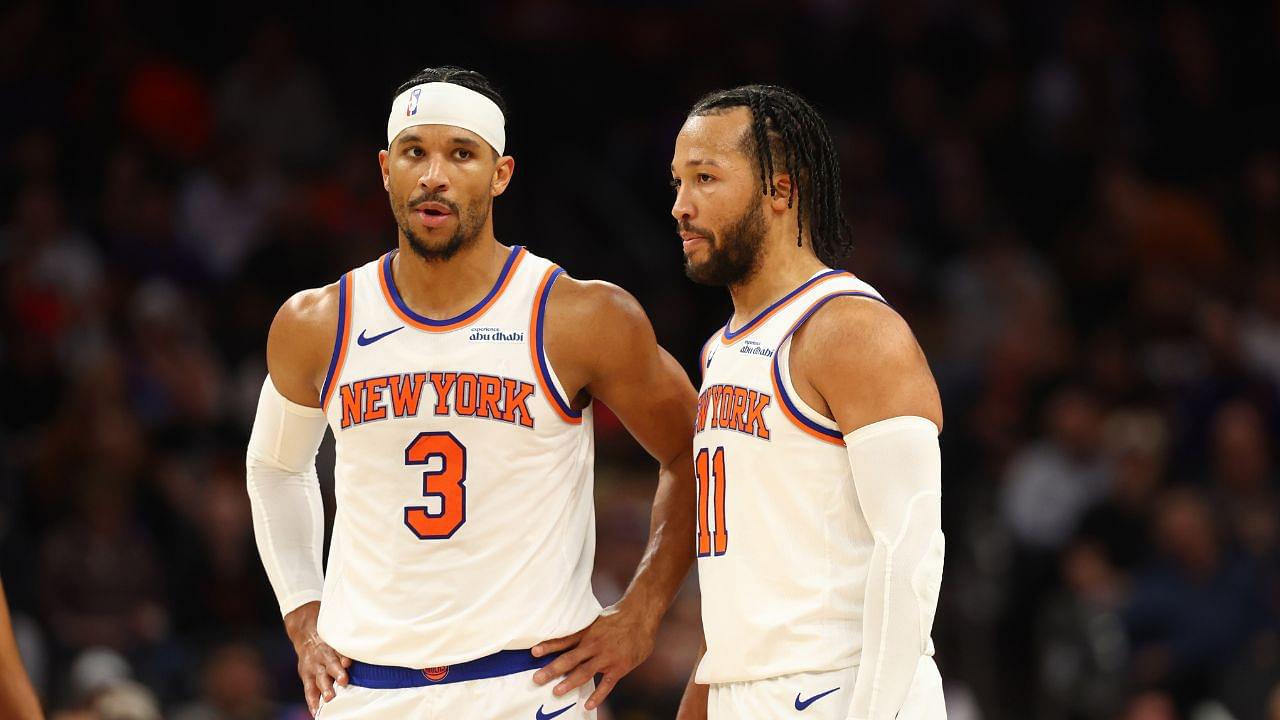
[
  {"x": 341, "y": 340},
  {"x": 793, "y": 413},
  {"x": 402, "y": 309},
  {"x": 537, "y": 349},
  {"x": 729, "y": 336}
]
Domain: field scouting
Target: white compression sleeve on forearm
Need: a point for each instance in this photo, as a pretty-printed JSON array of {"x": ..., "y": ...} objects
[
  {"x": 284, "y": 492},
  {"x": 897, "y": 472}
]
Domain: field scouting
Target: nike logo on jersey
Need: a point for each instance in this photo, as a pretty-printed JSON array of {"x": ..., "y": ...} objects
[
  {"x": 548, "y": 715},
  {"x": 802, "y": 704},
  {"x": 462, "y": 394},
  {"x": 363, "y": 341},
  {"x": 733, "y": 408}
]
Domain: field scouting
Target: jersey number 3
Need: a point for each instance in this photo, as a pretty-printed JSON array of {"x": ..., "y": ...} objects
[
  {"x": 709, "y": 467},
  {"x": 448, "y": 483}
]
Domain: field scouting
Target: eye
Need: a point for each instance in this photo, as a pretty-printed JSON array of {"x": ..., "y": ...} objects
[
  {"x": 675, "y": 183},
  {"x": 704, "y": 178},
  {"x": 414, "y": 151},
  {"x": 463, "y": 154}
]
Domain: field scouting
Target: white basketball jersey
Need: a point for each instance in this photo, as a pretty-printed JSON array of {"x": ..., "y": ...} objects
[
  {"x": 782, "y": 544},
  {"x": 465, "y": 519}
]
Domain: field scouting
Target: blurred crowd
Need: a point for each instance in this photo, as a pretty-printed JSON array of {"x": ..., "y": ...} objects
[{"x": 1076, "y": 205}]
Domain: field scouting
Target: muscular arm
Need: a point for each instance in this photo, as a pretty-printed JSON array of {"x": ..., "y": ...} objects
[
  {"x": 857, "y": 361},
  {"x": 284, "y": 491},
  {"x": 602, "y": 346}
]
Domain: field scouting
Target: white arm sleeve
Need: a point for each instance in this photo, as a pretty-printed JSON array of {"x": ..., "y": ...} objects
[
  {"x": 284, "y": 492},
  {"x": 897, "y": 472}
]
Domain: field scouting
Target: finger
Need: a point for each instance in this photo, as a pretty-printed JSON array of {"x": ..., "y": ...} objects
[
  {"x": 546, "y": 647},
  {"x": 334, "y": 667},
  {"x": 346, "y": 661},
  {"x": 312, "y": 693},
  {"x": 575, "y": 679},
  {"x": 561, "y": 666},
  {"x": 325, "y": 683},
  {"x": 602, "y": 691}
]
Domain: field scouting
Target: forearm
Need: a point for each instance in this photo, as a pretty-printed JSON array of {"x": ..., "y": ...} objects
[
  {"x": 669, "y": 552},
  {"x": 16, "y": 693},
  {"x": 693, "y": 705},
  {"x": 284, "y": 496},
  {"x": 896, "y": 471}
]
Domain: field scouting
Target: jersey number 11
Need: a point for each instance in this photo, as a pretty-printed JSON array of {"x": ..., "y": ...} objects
[{"x": 710, "y": 471}]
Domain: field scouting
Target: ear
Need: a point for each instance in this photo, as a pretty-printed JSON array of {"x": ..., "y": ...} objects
[
  {"x": 383, "y": 159},
  {"x": 783, "y": 199},
  {"x": 502, "y": 172}
]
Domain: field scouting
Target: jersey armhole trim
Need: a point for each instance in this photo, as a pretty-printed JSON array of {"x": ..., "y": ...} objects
[
  {"x": 788, "y": 405},
  {"x": 538, "y": 352},
  {"x": 341, "y": 340}
]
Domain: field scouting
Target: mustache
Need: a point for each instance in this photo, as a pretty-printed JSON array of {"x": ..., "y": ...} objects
[
  {"x": 688, "y": 227},
  {"x": 433, "y": 197}
]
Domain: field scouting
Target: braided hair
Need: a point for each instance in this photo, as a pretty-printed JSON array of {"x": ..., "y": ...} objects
[{"x": 787, "y": 132}]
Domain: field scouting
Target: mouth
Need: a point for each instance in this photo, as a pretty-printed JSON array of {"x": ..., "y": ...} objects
[
  {"x": 433, "y": 214},
  {"x": 691, "y": 240}
]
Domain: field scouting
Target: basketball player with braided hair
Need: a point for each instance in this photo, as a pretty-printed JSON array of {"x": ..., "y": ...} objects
[{"x": 816, "y": 454}]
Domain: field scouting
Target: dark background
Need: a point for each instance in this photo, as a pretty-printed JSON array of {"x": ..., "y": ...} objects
[{"x": 1075, "y": 205}]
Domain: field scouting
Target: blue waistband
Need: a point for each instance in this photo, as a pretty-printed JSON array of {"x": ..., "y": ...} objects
[{"x": 388, "y": 677}]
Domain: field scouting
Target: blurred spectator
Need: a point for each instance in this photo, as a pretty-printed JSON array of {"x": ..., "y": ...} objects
[
  {"x": 1150, "y": 706},
  {"x": 233, "y": 687},
  {"x": 1137, "y": 441},
  {"x": 1195, "y": 605},
  {"x": 277, "y": 101},
  {"x": 1084, "y": 650},
  {"x": 101, "y": 580},
  {"x": 1054, "y": 480},
  {"x": 222, "y": 212}
]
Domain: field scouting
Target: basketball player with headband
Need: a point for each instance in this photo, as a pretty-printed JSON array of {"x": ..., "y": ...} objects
[{"x": 458, "y": 376}]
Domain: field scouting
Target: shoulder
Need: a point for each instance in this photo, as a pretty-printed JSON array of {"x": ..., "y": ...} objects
[
  {"x": 865, "y": 341},
  {"x": 300, "y": 342},
  {"x": 864, "y": 328},
  {"x": 308, "y": 314},
  {"x": 595, "y": 330},
  {"x": 595, "y": 309}
]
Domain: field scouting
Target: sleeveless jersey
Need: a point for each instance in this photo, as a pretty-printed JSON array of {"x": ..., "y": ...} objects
[
  {"x": 465, "y": 519},
  {"x": 783, "y": 548}
]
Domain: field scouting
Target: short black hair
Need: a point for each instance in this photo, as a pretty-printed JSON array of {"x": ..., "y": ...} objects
[
  {"x": 469, "y": 79},
  {"x": 786, "y": 130}
]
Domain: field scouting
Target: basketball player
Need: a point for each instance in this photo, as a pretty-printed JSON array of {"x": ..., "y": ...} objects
[
  {"x": 816, "y": 448},
  {"x": 457, "y": 375}
]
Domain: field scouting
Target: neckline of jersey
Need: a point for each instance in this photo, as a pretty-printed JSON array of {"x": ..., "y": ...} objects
[
  {"x": 406, "y": 313},
  {"x": 728, "y": 336}
]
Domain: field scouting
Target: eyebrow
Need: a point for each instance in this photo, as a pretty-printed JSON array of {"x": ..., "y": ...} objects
[
  {"x": 698, "y": 161},
  {"x": 458, "y": 140}
]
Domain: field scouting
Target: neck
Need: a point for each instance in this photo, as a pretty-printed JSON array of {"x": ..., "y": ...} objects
[
  {"x": 782, "y": 269},
  {"x": 444, "y": 288}
]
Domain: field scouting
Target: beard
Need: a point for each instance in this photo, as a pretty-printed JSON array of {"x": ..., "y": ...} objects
[
  {"x": 469, "y": 224},
  {"x": 734, "y": 255}
]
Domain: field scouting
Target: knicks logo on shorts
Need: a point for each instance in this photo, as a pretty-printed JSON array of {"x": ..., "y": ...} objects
[{"x": 436, "y": 674}]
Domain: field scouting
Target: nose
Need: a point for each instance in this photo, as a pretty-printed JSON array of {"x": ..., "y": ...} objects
[
  {"x": 434, "y": 179},
  {"x": 683, "y": 209}
]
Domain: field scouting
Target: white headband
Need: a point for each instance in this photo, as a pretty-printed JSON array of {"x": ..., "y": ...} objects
[{"x": 440, "y": 103}]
